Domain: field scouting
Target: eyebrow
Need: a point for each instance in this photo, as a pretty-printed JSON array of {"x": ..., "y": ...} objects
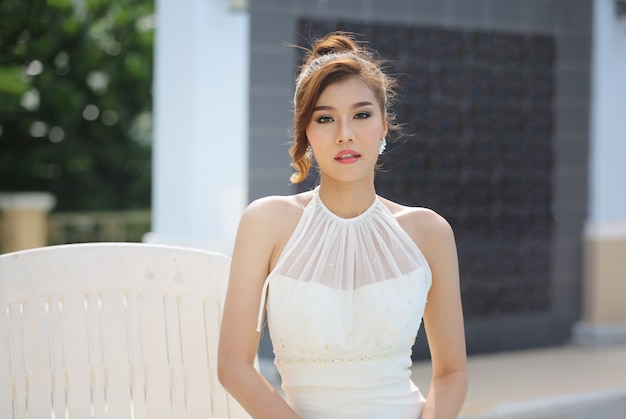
[{"x": 356, "y": 105}]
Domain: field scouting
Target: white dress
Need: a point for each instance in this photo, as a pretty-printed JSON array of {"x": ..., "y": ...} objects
[{"x": 344, "y": 304}]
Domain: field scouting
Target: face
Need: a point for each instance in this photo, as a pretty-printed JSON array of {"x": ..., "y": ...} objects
[{"x": 345, "y": 131}]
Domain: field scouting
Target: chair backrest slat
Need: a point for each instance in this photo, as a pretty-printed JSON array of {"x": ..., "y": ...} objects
[
  {"x": 114, "y": 360},
  {"x": 137, "y": 364},
  {"x": 195, "y": 356},
  {"x": 57, "y": 364},
  {"x": 172, "y": 335},
  {"x": 14, "y": 366},
  {"x": 155, "y": 355},
  {"x": 36, "y": 357},
  {"x": 93, "y": 335},
  {"x": 76, "y": 354}
]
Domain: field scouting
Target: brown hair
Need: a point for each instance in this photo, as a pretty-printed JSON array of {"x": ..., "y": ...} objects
[{"x": 332, "y": 59}]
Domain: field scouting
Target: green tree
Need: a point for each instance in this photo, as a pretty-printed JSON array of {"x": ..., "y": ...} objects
[{"x": 75, "y": 100}]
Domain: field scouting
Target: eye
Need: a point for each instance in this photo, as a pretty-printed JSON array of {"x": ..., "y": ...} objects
[
  {"x": 324, "y": 119},
  {"x": 362, "y": 115}
]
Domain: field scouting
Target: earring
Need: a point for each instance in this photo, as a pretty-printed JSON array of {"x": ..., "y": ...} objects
[
  {"x": 309, "y": 152},
  {"x": 381, "y": 146}
]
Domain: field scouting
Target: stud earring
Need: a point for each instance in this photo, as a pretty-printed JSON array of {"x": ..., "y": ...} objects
[
  {"x": 309, "y": 153},
  {"x": 381, "y": 146}
]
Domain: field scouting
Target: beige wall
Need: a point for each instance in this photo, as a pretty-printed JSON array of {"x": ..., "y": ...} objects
[
  {"x": 604, "y": 297},
  {"x": 24, "y": 230},
  {"x": 24, "y": 220}
]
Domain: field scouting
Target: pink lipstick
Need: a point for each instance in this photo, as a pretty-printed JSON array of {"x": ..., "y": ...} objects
[{"x": 347, "y": 156}]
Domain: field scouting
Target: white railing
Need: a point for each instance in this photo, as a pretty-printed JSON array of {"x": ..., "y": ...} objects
[
  {"x": 101, "y": 226},
  {"x": 97, "y": 226}
]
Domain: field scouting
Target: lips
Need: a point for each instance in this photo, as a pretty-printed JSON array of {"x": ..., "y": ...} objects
[{"x": 347, "y": 156}]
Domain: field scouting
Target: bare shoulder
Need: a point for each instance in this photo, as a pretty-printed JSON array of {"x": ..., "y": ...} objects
[
  {"x": 271, "y": 210},
  {"x": 270, "y": 221},
  {"x": 425, "y": 226}
]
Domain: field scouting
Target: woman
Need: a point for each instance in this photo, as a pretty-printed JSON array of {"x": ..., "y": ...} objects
[{"x": 342, "y": 273}]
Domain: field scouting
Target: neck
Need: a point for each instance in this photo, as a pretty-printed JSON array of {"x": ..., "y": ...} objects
[{"x": 347, "y": 200}]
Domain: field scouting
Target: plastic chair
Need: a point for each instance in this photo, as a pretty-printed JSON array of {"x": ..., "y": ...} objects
[{"x": 112, "y": 330}]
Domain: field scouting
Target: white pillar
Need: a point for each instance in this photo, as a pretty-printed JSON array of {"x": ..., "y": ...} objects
[
  {"x": 608, "y": 116},
  {"x": 200, "y": 123},
  {"x": 604, "y": 287}
]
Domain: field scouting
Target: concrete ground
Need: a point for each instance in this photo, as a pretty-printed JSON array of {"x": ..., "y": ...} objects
[{"x": 567, "y": 382}]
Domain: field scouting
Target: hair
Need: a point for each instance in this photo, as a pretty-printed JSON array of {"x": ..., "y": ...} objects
[{"x": 332, "y": 59}]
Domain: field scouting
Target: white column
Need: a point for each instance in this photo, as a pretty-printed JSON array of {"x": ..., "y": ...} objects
[
  {"x": 608, "y": 116},
  {"x": 604, "y": 286},
  {"x": 200, "y": 123}
]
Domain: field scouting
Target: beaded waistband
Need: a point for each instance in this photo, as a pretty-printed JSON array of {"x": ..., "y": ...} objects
[{"x": 341, "y": 360}]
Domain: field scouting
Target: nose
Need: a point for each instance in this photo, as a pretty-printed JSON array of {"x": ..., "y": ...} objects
[{"x": 344, "y": 132}]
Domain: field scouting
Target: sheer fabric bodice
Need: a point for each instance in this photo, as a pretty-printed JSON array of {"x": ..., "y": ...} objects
[{"x": 344, "y": 304}]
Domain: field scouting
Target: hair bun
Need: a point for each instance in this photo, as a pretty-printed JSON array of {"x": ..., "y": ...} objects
[{"x": 335, "y": 42}]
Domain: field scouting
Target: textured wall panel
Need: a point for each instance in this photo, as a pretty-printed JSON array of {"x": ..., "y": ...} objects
[{"x": 478, "y": 109}]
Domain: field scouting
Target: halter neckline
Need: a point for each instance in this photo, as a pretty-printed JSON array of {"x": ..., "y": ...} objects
[{"x": 318, "y": 199}]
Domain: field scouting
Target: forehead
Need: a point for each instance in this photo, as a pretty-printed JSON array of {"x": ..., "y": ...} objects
[{"x": 349, "y": 91}]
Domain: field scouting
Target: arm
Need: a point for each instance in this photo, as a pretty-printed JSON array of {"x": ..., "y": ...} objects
[
  {"x": 239, "y": 339},
  {"x": 443, "y": 321}
]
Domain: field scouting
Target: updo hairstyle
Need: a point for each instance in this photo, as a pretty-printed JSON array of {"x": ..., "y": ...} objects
[{"x": 332, "y": 59}]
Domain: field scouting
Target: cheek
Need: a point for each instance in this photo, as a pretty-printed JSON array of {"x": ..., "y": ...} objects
[
  {"x": 373, "y": 129},
  {"x": 382, "y": 129},
  {"x": 313, "y": 133}
]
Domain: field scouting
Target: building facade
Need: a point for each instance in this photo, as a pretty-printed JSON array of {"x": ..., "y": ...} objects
[{"x": 511, "y": 113}]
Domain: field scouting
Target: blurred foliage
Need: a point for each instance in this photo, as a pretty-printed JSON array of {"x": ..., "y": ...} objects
[{"x": 75, "y": 100}]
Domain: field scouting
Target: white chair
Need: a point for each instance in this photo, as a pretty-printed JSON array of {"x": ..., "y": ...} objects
[{"x": 112, "y": 330}]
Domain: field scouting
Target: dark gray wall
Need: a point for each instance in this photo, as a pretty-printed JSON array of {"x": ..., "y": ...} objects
[{"x": 272, "y": 71}]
